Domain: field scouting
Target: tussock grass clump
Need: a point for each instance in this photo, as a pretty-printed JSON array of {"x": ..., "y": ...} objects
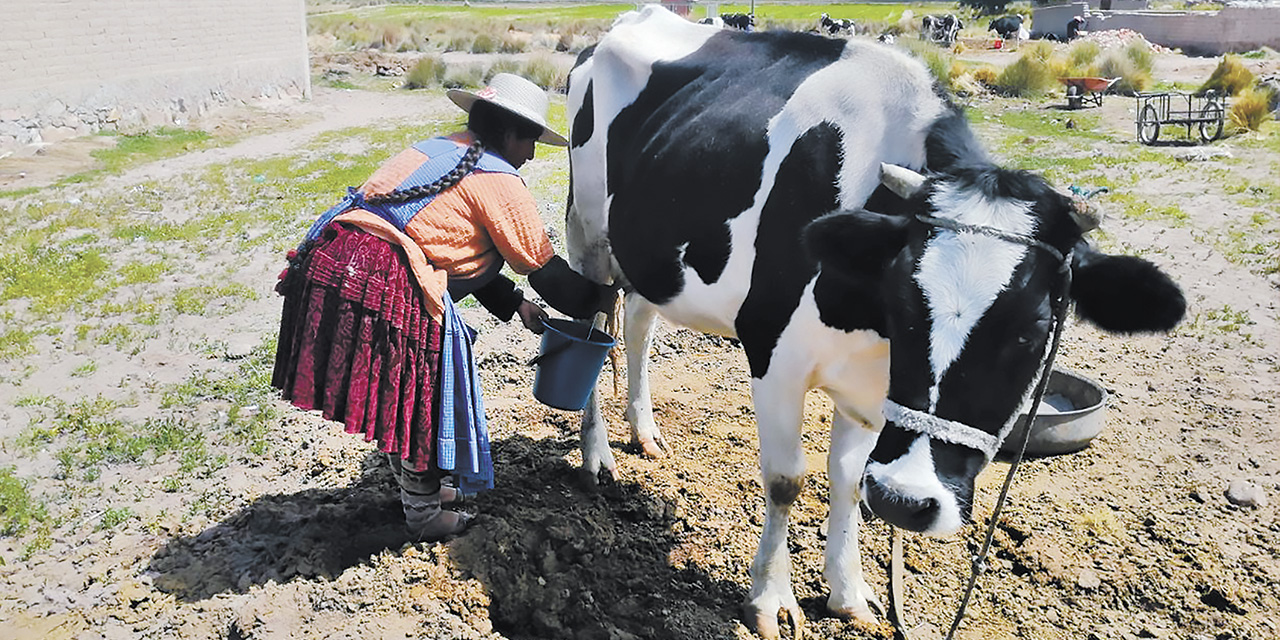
[
  {"x": 463, "y": 77},
  {"x": 511, "y": 42},
  {"x": 504, "y": 65},
  {"x": 1132, "y": 65},
  {"x": 942, "y": 65},
  {"x": 1033, "y": 73},
  {"x": 543, "y": 72},
  {"x": 1250, "y": 109},
  {"x": 458, "y": 41},
  {"x": 1229, "y": 78},
  {"x": 427, "y": 72},
  {"x": 484, "y": 43},
  {"x": 1081, "y": 57}
]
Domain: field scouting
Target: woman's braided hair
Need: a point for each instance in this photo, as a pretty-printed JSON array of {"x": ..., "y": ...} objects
[{"x": 465, "y": 166}]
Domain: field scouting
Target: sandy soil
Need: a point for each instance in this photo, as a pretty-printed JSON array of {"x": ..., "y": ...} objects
[{"x": 1166, "y": 527}]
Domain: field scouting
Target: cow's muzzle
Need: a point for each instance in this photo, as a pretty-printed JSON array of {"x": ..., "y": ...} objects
[{"x": 899, "y": 510}]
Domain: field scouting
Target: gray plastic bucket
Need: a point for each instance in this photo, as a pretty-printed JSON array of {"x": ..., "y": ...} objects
[{"x": 569, "y": 363}]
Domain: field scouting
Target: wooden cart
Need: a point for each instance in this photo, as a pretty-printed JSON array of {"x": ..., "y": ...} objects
[
  {"x": 1086, "y": 90},
  {"x": 1205, "y": 112}
]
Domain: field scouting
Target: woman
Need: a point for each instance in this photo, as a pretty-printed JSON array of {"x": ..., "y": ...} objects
[{"x": 369, "y": 334}]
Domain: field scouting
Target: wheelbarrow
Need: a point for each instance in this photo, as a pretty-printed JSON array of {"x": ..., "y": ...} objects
[{"x": 1086, "y": 90}]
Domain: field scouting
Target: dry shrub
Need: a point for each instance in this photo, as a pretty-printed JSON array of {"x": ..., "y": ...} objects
[
  {"x": 1229, "y": 78},
  {"x": 427, "y": 72},
  {"x": 1033, "y": 73},
  {"x": 1250, "y": 108}
]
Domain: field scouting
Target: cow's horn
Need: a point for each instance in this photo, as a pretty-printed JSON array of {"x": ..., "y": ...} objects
[
  {"x": 1086, "y": 216},
  {"x": 900, "y": 180}
]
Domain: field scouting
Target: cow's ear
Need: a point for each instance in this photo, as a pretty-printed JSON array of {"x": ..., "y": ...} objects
[
  {"x": 855, "y": 242},
  {"x": 1124, "y": 294}
]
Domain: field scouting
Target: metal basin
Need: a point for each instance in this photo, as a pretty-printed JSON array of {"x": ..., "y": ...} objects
[{"x": 1070, "y": 416}]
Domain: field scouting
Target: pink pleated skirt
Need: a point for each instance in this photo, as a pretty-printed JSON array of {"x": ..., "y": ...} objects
[{"x": 356, "y": 343}]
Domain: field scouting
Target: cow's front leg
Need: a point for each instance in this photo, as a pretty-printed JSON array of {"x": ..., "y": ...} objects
[
  {"x": 596, "y": 455},
  {"x": 851, "y": 444},
  {"x": 778, "y": 418},
  {"x": 637, "y": 331}
]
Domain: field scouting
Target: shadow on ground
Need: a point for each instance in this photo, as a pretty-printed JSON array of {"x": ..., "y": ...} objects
[{"x": 557, "y": 559}]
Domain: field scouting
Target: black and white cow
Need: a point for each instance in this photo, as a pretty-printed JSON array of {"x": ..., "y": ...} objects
[
  {"x": 941, "y": 30},
  {"x": 763, "y": 186},
  {"x": 1006, "y": 27},
  {"x": 835, "y": 26},
  {"x": 739, "y": 21}
]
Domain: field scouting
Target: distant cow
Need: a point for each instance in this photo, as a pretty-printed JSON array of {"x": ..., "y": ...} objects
[
  {"x": 941, "y": 29},
  {"x": 739, "y": 21},
  {"x": 1006, "y": 27},
  {"x": 834, "y": 26},
  {"x": 763, "y": 186}
]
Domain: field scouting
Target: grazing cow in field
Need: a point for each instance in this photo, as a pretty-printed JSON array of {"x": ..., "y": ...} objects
[
  {"x": 818, "y": 200},
  {"x": 1006, "y": 27},
  {"x": 835, "y": 26},
  {"x": 941, "y": 29},
  {"x": 715, "y": 21}
]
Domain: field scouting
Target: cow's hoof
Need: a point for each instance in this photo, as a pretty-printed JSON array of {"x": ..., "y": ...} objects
[
  {"x": 863, "y": 614},
  {"x": 765, "y": 623},
  {"x": 653, "y": 448},
  {"x": 592, "y": 479}
]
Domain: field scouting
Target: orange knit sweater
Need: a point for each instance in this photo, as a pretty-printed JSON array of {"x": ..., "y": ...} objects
[{"x": 484, "y": 219}]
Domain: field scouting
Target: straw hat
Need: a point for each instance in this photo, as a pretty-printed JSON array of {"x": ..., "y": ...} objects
[{"x": 517, "y": 95}]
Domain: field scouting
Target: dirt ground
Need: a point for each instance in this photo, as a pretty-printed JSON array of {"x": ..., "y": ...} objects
[{"x": 1165, "y": 527}]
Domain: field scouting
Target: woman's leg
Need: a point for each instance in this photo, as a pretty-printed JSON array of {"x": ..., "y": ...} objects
[{"x": 422, "y": 500}]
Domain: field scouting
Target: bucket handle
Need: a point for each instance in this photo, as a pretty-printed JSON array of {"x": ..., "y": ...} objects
[{"x": 557, "y": 350}]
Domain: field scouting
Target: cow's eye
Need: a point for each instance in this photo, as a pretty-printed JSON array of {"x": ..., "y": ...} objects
[{"x": 1024, "y": 341}]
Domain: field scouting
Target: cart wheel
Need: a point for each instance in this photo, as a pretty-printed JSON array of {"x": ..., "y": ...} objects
[
  {"x": 1074, "y": 99},
  {"x": 1210, "y": 122},
  {"x": 1148, "y": 125}
]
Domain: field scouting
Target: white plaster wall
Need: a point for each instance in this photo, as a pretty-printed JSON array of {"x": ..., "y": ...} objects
[
  {"x": 70, "y": 67},
  {"x": 1229, "y": 30}
]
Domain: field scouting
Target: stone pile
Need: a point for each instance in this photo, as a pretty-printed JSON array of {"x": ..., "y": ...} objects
[{"x": 1119, "y": 38}]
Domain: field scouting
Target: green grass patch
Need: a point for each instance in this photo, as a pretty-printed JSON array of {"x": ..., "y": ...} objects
[
  {"x": 53, "y": 278},
  {"x": 17, "y": 342},
  {"x": 164, "y": 142},
  {"x": 1132, "y": 207},
  {"x": 18, "y": 508},
  {"x": 115, "y": 517},
  {"x": 196, "y": 300}
]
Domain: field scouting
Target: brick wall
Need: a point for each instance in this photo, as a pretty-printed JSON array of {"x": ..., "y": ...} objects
[{"x": 72, "y": 67}]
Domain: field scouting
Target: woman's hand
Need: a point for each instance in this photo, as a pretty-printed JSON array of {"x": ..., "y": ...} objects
[{"x": 532, "y": 316}]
